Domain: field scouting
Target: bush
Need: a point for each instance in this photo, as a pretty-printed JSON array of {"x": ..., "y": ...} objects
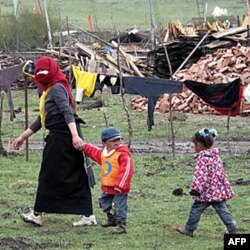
[
  {"x": 27, "y": 32},
  {"x": 7, "y": 28}
]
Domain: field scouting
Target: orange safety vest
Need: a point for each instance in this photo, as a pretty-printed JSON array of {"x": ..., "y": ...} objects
[{"x": 109, "y": 169}]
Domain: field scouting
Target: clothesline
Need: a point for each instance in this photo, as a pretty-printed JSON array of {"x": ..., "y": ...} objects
[{"x": 224, "y": 97}]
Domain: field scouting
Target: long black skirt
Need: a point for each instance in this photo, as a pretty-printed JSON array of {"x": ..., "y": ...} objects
[{"x": 63, "y": 182}]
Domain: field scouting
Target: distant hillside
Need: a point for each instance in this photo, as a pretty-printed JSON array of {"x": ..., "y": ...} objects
[{"x": 123, "y": 14}]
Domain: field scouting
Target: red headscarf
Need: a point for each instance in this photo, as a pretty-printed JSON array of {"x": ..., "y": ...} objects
[{"x": 54, "y": 75}]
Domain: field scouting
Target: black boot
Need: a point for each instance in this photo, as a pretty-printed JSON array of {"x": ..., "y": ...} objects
[
  {"x": 110, "y": 222},
  {"x": 233, "y": 231},
  {"x": 121, "y": 227},
  {"x": 185, "y": 231}
]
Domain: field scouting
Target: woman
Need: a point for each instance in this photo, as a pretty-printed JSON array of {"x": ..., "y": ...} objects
[{"x": 63, "y": 183}]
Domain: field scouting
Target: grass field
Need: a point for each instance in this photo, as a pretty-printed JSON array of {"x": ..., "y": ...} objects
[
  {"x": 120, "y": 14},
  {"x": 113, "y": 110},
  {"x": 154, "y": 212}
]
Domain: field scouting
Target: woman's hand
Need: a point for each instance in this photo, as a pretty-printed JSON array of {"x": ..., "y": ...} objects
[
  {"x": 17, "y": 143},
  {"x": 77, "y": 142}
]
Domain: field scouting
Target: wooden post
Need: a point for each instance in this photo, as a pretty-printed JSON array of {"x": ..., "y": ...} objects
[
  {"x": 111, "y": 17},
  {"x": 2, "y": 150},
  {"x": 248, "y": 35},
  {"x": 228, "y": 126},
  {"x": 130, "y": 130},
  {"x": 238, "y": 21},
  {"x": 248, "y": 4},
  {"x": 50, "y": 45},
  {"x": 26, "y": 118},
  {"x": 170, "y": 104},
  {"x": 152, "y": 24}
]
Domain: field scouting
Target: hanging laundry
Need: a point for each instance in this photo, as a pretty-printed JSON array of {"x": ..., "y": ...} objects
[
  {"x": 7, "y": 77},
  {"x": 223, "y": 97},
  {"x": 85, "y": 83},
  {"x": 152, "y": 88},
  {"x": 246, "y": 93},
  {"x": 113, "y": 82}
]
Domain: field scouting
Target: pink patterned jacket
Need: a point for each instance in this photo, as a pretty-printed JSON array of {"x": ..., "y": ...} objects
[{"x": 210, "y": 180}]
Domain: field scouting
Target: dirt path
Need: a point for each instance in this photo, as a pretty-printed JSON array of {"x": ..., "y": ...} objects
[{"x": 233, "y": 147}]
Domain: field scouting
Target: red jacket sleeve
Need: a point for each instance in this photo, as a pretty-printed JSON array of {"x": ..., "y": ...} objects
[
  {"x": 93, "y": 152},
  {"x": 125, "y": 173}
]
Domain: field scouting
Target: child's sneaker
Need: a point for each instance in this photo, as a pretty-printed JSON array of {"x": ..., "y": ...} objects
[
  {"x": 30, "y": 217},
  {"x": 86, "y": 221}
]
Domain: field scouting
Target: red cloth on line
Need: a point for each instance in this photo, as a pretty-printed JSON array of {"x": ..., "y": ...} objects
[
  {"x": 224, "y": 97},
  {"x": 235, "y": 110}
]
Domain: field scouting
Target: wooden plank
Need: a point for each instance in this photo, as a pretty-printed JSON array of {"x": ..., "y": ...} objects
[
  {"x": 227, "y": 32},
  {"x": 134, "y": 67},
  {"x": 90, "y": 52},
  {"x": 217, "y": 44},
  {"x": 236, "y": 38},
  {"x": 111, "y": 59}
]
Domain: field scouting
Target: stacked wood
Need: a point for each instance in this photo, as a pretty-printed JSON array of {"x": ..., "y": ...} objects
[
  {"x": 222, "y": 66},
  {"x": 175, "y": 29},
  {"x": 218, "y": 25},
  {"x": 92, "y": 58},
  {"x": 129, "y": 64},
  {"x": 179, "y": 49}
]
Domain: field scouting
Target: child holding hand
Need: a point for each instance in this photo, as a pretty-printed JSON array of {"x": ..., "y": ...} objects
[
  {"x": 116, "y": 173},
  {"x": 210, "y": 185}
]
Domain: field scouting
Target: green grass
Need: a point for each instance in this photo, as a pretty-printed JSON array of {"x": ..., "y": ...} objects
[
  {"x": 116, "y": 116},
  {"x": 122, "y": 14},
  {"x": 154, "y": 212}
]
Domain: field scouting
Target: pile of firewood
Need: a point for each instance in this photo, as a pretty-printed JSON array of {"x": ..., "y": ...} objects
[
  {"x": 186, "y": 45},
  {"x": 223, "y": 66}
]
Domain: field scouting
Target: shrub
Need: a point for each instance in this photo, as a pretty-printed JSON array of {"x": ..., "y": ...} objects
[{"x": 27, "y": 32}]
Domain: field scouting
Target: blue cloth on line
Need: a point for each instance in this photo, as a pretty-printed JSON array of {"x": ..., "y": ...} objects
[{"x": 152, "y": 88}]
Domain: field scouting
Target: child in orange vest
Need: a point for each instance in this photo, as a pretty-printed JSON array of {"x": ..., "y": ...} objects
[{"x": 116, "y": 173}]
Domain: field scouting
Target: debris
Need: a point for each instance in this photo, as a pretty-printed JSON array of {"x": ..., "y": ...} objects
[{"x": 178, "y": 192}]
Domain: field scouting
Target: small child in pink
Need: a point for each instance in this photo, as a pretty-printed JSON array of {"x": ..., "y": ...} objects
[{"x": 210, "y": 185}]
